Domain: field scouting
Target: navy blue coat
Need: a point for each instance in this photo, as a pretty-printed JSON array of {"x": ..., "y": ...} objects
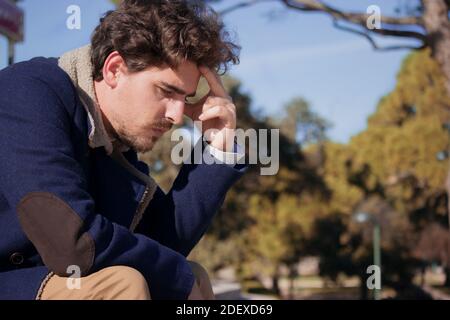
[{"x": 63, "y": 203}]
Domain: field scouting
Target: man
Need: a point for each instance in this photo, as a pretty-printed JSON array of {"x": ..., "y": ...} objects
[{"x": 74, "y": 199}]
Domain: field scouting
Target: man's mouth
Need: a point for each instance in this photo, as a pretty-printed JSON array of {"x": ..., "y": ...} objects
[{"x": 159, "y": 131}]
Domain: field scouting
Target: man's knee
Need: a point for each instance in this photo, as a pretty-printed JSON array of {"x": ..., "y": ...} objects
[
  {"x": 128, "y": 283},
  {"x": 112, "y": 283},
  {"x": 199, "y": 271},
  {"x": 203, "y": 280}
]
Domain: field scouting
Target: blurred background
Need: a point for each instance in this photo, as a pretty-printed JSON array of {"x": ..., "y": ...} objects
[{"x": 364, "y": 117}]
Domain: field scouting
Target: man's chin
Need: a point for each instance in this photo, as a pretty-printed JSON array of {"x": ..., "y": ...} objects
[
  {"x": 138, "y": 144},
  {"x": 143, "y": 147}
]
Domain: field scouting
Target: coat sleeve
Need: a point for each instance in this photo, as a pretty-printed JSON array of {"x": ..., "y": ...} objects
[
  {"x": 41, "y": 177},
  {"x": 179, "y": 218}
]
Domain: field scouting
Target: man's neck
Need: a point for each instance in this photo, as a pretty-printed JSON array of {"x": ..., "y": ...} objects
[{"x": 101, "y": 95}]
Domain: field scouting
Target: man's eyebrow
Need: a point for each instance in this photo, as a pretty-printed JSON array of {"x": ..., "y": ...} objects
[{"x": 177, "y": 90}]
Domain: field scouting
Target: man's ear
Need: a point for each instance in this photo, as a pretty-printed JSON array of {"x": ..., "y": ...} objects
[{"x": 113, "y": 68}]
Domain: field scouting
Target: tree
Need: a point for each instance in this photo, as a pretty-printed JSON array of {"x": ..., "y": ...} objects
[
  {"x": 403, "y": 137},
  {"x": 302, "y": 124},
  {"x": 426, "y": 22},
  {"x": 432, "y": 246},
  {"x": 396, "y": 156},
  {"x": 389, "y": 170}
]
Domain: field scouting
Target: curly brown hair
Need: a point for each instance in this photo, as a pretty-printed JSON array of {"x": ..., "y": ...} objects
[{"x": 162, "y": 32}]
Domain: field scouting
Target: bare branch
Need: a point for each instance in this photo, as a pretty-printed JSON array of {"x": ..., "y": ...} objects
[
  {"x": 241, "y": 5},
  {"x": 375, "y": 46},
  {"x": 314, "y": 5},
  {"x": 400, "y": 33},
  {"x": 358, "y": 18}
]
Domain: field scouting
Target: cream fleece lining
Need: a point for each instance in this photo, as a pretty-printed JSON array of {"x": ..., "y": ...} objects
[{"x": 77, "y": 64}]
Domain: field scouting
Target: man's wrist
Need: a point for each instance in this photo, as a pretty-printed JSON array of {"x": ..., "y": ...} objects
[
  {"x": 225, "y": 143},
  {"x": 231, "y": 158}
]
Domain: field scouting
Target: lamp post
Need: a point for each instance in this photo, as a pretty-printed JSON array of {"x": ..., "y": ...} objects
[{"x": 363, "y": 217}]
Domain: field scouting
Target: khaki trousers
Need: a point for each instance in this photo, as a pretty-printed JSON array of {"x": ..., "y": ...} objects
[{"x": 115, "y": 283}]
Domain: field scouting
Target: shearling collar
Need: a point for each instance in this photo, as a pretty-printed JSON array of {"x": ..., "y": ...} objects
[{"x": 77, "y": 64}]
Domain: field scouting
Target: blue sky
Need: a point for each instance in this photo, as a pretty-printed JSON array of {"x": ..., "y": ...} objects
[{"x": 285, "y": 54}]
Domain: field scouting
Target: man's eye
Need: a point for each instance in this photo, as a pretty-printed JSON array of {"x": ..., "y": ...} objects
[{"x": 166, "y": 92}]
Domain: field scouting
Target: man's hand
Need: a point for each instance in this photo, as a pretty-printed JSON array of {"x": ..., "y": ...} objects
[{"x": 216, "y": 111}]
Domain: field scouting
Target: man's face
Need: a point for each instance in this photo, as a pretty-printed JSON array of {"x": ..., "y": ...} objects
[{"x": 144, "y": 105}]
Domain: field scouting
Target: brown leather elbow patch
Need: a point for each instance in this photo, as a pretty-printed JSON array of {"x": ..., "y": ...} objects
[{"x": 56, "y": 231}]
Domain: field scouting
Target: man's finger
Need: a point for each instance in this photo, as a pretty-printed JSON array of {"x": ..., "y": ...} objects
[
  {"x": 191, "y": 109},
  {"x": 214, "y": 112},
  {"x": 214, "y": 82},
  {"x": 200, "y": 102}
]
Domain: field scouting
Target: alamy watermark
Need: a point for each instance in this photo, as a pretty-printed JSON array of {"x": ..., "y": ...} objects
[
  {"x": 374, "y": 280},
  {"x": 73, "y": 282},
  {"x": 258, "y": 150},
  {"x": 73, "y": 21},
  {"x": 374, "y": 18}
]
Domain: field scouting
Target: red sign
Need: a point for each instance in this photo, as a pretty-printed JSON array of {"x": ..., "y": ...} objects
[{"x": 11, "y": 20}]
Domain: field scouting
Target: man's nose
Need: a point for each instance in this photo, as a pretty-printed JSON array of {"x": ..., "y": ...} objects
[{"x": 175, "y": 112}]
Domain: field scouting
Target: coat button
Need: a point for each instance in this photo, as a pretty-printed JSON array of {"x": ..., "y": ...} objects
[{"x": 16, "y": 258}]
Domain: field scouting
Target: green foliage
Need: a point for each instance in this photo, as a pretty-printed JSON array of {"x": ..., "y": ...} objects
[
  {"x": 302, "y": 124},
  {"x": 405, "y": 134},
  {"x": 391, "y": 171}
]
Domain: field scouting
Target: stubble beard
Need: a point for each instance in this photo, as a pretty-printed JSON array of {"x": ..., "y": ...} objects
[{"x": 139, "y": 144}]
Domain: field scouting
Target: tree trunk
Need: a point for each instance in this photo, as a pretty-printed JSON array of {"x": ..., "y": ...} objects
[
  {"x": 292, "y": 276},
  {"x": 275, "y": 284},
  {"x": 437, "y": 25},
  {"x": 275, "y": 281},
  {"x": 447, "y": 264}
]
